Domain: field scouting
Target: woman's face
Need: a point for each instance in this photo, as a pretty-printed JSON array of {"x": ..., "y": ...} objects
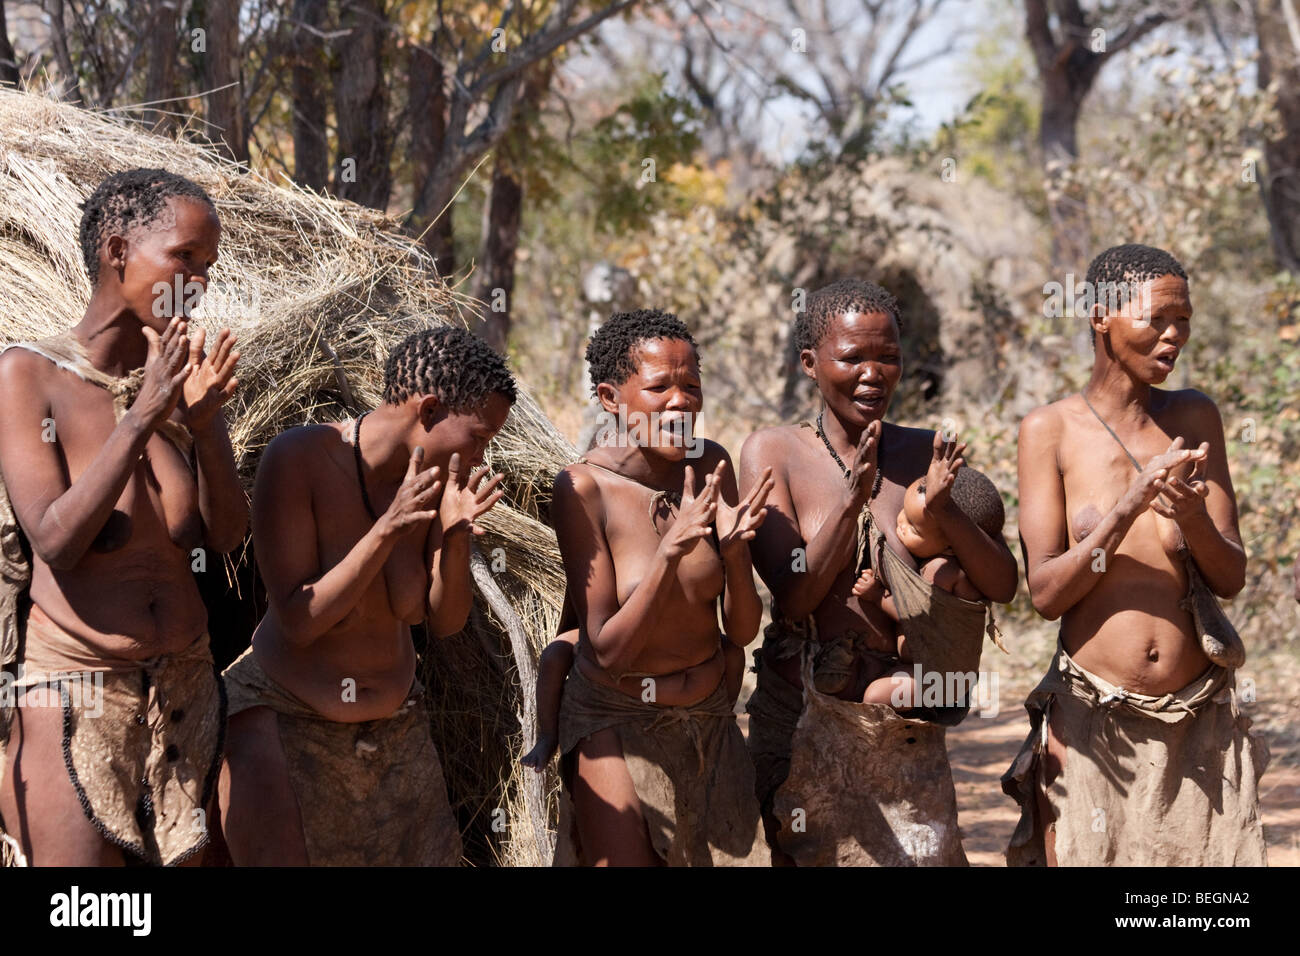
[
  {"x": 1147, "y": 334},
  {"x": 164, "y": 265},
  {"x": 857, "y": 366},
  {"x": 442, "y": 431},
  {"x": 661, "y": 400}
]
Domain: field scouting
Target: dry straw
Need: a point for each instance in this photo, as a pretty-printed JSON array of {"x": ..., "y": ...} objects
[{"x": 317, "y": 291}]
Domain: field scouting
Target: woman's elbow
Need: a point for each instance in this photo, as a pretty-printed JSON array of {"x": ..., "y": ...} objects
[
  {"x": 1231, "y": 588},
  {"x": 609, "y": 659},
  {"x": 57, "y": 555},
  {"x": 1045, "y": 603},
  {"x": 444, "y": 627}
]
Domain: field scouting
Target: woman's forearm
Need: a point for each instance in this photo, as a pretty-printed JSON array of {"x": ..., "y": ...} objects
[
  {"x": 799, "y": 591},
  {"x": 450, "y": 592},
  {"x": 1222, "y": 562},
  {"x": 222, "y": 501},
  {"x": 1057, "y": 584},
  {"x": 988, "y": 564},
  {"x": 742, "y": 608},
  {"x": 73, "y": 520},
  {"x": 624, "y": 635},
  {"x": 317, "y": 605}
]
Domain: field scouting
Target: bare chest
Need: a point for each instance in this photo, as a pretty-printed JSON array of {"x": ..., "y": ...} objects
[
  {"x": 1096, "y": 474},
  {"x": 634, "y": 525}
]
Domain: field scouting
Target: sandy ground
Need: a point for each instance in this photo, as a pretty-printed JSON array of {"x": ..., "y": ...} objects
[{"x": 981, "y": 749}]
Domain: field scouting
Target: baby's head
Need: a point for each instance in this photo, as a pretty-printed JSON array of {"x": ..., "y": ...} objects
[{"x": 972, "y": 493}]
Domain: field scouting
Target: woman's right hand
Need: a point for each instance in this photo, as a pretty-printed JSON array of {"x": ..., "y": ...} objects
[
  {"x": 165, "y": 370},
  {"x": 414, "y": 504},
  {"x": 862, "y": 473},
  {"x": 1150, "y": 482},
  {"x": 694, "y": 518}
]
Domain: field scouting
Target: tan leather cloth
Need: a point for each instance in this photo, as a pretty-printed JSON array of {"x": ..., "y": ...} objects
[
  {"x": 1147, "y": 781},
  {"x": 688, "y": 765},
  {"x": 142, "y": 740},
  {"x": 866, "y": 787},
  {"x": 370, "y": 793},
  {"x": 945, "y": 635}
]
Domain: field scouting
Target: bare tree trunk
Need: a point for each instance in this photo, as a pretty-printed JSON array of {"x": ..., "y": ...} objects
[
  {"x": 225, "y": 107},
  {"x": 59, "y": 40},
  {"x": 502, "y": 219},
  {"x": 1068, "y": 67},
  {"x": 428, "y": 99},
  {"x": 8, "y": 60},
  {"x": 309, "y": 75},
  {"x": 1279, "y": 59},
  {"x": 160, "y": 82},
  {"x": 496, "y": 282},
  {"x": 361, "y": 106}
]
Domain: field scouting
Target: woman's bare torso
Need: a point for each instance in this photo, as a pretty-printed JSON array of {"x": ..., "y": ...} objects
[
  {"x": 362, "y": 668},
  {"x": 683, "y": 652},
  {"x": 815, "y": 482},
  {"x": 1129, "y": 628},
  {"x": 133, "y": 594}
]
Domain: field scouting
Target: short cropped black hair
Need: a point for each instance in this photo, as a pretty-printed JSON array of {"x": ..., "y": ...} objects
[
  {"x": 133, "y": 197},
  {"x": 978, "y": 499},
  {"x": 846, "y": 295},
  {"x": 1122, "y": 267},
  {"x": 610, "y": 355},
  {"x": 457, "y": 367}
]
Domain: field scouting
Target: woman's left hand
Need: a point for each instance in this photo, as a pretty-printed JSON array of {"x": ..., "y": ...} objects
[
  {"x": 739, "y": 524},
  {"x": 1185, "y": 500},
  {"x": 1181, "y": 499},
  {"x": 211, "y": 381},
  {"x": 945, "y": 464}
]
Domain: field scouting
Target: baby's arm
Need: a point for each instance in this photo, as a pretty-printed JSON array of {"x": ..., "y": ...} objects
[
  {"x": 552, "y": 669},
  {"x": 870, "y": 589},
  {"x": 946, "y": 572}
]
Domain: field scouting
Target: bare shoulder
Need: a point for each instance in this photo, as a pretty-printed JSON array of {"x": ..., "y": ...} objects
[
  {"x": 907, "y": 439},
  {"x": 577, "y": 481},
  {"x": 1193, "y": 406},
  {"x": 710, "y": 454},
  {"x": 770, "y": 446},
  {"x": 300, "y": 447},
  {"x": 1043, "y": 425},
  {"x": 21, "y": 370}
]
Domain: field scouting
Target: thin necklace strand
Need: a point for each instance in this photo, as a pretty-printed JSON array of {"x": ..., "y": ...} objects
[
  {"x": 361, "y": 475},
  {"x": 821, "y": 432}
]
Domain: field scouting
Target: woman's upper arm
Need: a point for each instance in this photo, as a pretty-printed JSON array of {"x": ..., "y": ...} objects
[
  {"x": 773, "y": 546},
  {"x": 33, "y": 472},
  {"x": 1220, "y": 501},
  {"x": 588, "y": 568},
  {"x": 1042, "y": 492},
  {"x": 284, "y": 522}
]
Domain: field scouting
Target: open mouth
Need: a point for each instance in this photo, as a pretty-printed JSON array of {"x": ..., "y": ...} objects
[
  {"x": 869, "y": 401},
  {"x": 1167, "y": 361}
]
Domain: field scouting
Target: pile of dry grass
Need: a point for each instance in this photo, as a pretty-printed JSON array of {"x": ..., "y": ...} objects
[{"x": 317, "y": 291}]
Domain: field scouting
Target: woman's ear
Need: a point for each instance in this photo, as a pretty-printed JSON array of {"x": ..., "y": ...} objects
[
  {"x": 608, "y": 396},
  {"x": 1099, "y": 319},
  {"x": 808, "y": 361},
  {"x": 115, "y": 252},
  {"x": 429, "y": 412}
]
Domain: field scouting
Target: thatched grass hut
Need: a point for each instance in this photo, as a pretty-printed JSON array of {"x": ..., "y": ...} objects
[{"x": 317, "y": 290}]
